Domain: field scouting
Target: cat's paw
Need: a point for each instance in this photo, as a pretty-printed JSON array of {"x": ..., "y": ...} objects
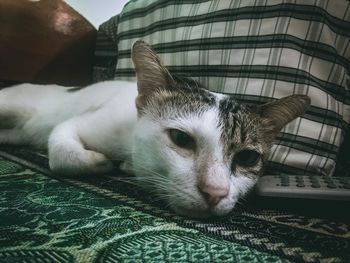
[
  {"x": 98, "y": 162},
  {"x": 79, "y": 163}
]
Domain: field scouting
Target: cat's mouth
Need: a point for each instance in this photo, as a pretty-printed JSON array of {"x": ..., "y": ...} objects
[{"x": 195, "y": 205}]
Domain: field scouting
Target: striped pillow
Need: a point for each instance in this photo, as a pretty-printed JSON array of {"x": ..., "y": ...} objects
[{"x": 256, "y": 50}]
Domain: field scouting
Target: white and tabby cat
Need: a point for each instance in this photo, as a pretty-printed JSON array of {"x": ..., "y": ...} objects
[{"x": 199, "y": 151}]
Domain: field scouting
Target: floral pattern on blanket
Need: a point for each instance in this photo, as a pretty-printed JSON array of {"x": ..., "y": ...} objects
[{"x": 45, "y": 219}]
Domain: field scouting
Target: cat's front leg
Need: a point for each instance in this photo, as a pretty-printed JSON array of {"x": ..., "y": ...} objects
[{"x": 67, "y": 153}]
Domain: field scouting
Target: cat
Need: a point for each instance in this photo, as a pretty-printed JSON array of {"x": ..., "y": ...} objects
[{"x": 197, "y": 150}]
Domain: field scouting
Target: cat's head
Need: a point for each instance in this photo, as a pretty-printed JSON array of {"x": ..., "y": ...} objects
[{"x": 197, "y": 150}]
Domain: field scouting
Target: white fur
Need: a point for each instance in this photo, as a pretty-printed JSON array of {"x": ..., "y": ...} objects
[
  {"x": 175, "y": 175},
  {"x": 84, "y": 130},
  {"x": 76, "y": 127}
]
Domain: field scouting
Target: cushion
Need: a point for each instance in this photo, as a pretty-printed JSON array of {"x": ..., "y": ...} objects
[
  {"x": 45, "y": 42},
  {"x": 257, "y": 51}
]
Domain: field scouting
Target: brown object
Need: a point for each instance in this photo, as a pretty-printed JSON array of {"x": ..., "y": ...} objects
[{"x": 45, "y": 41}]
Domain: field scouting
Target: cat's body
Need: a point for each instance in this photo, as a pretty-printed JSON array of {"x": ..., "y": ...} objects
[
  {"x": 197, "y": 150},
  {"x": 101, "y": 112}
]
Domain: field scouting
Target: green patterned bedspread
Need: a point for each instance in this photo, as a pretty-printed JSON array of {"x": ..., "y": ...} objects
[{"x": 99, "y": 219}]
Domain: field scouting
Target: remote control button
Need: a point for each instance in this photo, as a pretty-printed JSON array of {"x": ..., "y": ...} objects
[
  {"x": 284, "y": 180},
  {"x": 328, "y": 180},
  {"x": 332, "y": 186},
  {"x": 299, "y": 180},
  {"x": 313, "y": 179},
  {"x": 315, "y": 185},
  {"x": 344, "y": 180}
]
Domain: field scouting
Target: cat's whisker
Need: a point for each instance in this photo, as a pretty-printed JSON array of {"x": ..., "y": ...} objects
[
  {"x": 140, "y": 168},
  {"x": 166, "y": 187},
  {"x": 145, "y": 180},
  {"x": 154, "y": 180},
  {"x": 161, "y": 181},
  {"x": 163, "y": 101},
  {"x": 157, "y": 186},
  {"x": 128, "y": 181},
  {"x": 106, "y": 182}
]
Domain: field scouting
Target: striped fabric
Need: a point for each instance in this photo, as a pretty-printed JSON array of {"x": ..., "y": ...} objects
[{"x": 258, "y": 51}]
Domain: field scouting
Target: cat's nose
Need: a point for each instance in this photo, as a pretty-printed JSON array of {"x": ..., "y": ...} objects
[{"x": 213, "y": 194}]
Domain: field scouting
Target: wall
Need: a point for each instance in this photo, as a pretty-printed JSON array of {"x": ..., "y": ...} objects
[{"x": 96, "y": 11}]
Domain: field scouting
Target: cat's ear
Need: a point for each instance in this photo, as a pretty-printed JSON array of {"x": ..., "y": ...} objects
[
  {"x": 280, "y": 112},
  {"x": 151, "y": 74}
]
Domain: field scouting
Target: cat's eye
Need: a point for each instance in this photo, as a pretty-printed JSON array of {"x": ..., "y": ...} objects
[
  {"x": 181, "y": 139},
  {"x": 247, "y": 158}
]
